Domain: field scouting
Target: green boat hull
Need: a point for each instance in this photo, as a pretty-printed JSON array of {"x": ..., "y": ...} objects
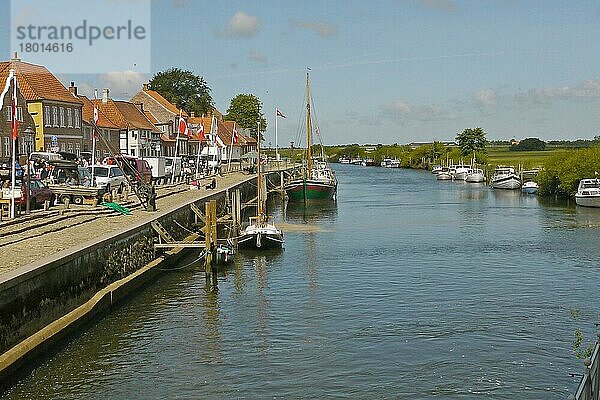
[{"x": 299, "y": 191}]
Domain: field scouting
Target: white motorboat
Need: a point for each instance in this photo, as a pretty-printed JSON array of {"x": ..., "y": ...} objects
[
  {"x": 530, "y": 187},
  {"x": 344, "y": 160},
  {"x": 444, "y": 174},
  {"x": 390, "y": 163},
  {"x": 505, "y": 178},
  {"x": 475, "y": 176},
  {"x": 436, "y": 169},
  {"x": 588, "y": 193},
  {"x": 461, "y": 171}
]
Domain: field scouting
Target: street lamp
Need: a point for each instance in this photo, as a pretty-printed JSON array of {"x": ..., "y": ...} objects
[{"x": 29, "y": 132}]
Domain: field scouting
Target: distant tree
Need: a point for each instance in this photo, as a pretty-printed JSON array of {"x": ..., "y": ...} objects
[
  {"x": 184, "y": 89},
  {"x": 471, "y": 140},
  {"x": 245, "y": 110},
  {"x": 529, "y": 144}
]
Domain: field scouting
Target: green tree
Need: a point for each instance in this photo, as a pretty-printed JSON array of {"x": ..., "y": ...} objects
[
  {"x": 471, "y": 140},
  {"x": 184, "y": 89},
  {"x": 245, "y": 110},
  {"x": 529, "y": 144}
]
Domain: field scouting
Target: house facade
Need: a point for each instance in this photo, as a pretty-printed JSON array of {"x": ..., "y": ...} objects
[
  {"x": 55, "y": 110},
  {"x": 107, "y": 140},
  {"x": 26, "y": 124},
  {"x": 165, "y": 116},
  {"x": 138, "y": 136}
]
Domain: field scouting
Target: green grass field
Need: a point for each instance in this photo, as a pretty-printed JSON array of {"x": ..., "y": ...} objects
[{"x": 525, "y": 159}]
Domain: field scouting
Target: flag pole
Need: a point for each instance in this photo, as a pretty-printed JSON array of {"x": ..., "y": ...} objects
[
  {"x": 176, "y": 150},
  {"x": 14, "y": 147},
  {"x": 276, "y": 147},
  {"x": 231, "y": 148},
  {"x": 94, "y": 133},
  {"x": 199, "y": 149}
]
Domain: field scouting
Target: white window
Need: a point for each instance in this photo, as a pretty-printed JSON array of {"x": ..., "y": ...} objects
[
  {"x": 70, "y": 117},
  {"x": 9, "y": 114},
  {"x": 47, "y": 120},
  {"x": 62, "y": 117},
  {"x": 71, "y": 148},
  {"x": 6, "y": 146},
  {"x": 20, "y": 114},
  {"x": 78, "y": 149},
  {"x": 77, "y": 117},
  {"x": 54, "y": 116}
]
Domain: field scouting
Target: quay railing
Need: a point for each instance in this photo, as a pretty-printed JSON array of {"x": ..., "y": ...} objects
[{"x": 589, "y": 386}]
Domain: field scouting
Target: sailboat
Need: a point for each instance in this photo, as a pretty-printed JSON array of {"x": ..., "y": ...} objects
[
  {"x": 318, "y": 181},
  {"x": 260, "y": 234}
]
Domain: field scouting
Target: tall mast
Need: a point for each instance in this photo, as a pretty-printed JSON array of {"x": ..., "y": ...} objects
[
  {"x": 308, "y": 128},
  {"x": 258, "y": 178}
]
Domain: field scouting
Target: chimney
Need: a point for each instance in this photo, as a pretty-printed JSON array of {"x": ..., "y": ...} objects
[
  {"x": 105, "y": 96},
  {"x": 145, "y": 87},
  {"x": 73, "y": 89},
  {"x": 15, "y": 57},
  {"x": 192, "y": 114},
  {"x": 140, "y": 106}
]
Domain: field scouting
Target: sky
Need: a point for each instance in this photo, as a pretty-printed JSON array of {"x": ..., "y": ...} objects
[{"x": 382, "y": 71}]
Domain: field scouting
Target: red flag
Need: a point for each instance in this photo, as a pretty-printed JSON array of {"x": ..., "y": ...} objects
[
  {"x": 15, "y": 122},
  {"x": 95, "y": 114},
  {"x": 234, "y": 136},
  {"x": 280, "y": 114},
  {"x": 183, "y": 128},
  {"x": 200, "y": 132}
]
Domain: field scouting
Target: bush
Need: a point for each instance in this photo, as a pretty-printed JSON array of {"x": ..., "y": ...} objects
[
  {"x": 529, "y": 144},
  {"x": 562, "y": 173}
]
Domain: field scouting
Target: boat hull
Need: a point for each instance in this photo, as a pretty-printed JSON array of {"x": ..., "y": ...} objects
[
  {"x": 300, "y": 190},
  {"x": 475, "y": 178},
  {"x": 260, "y": 241},
  {"x": 587, "y": 201},
  {"x": 509, "y": 182},
  {"x": 444, "y": 176}
]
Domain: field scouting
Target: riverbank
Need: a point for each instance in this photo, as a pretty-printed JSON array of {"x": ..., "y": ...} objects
[{"x": 76, "y": 256}]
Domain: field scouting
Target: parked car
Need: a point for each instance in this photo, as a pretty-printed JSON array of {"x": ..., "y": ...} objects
[
  {"x": 39, "y": 193},
  {"x": 69, "y": 173},
  {"x": 137, "y": 169},
  {"x": 109, "y": 177}
]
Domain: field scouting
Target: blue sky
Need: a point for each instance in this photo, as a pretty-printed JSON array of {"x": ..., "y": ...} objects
[{"x": 387, "y": 71}]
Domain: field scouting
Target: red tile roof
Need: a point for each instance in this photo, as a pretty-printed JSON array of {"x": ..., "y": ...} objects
[
  {"x": 125, "y": 115},
  {"x": 36, "y": 82},
  {"x": 87, "y": 114}
]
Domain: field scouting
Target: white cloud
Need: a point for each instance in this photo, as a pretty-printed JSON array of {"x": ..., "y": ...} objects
[
  {"x": 320, "y": 28},
  {"x": 241, "y": 25},
  {"x": 486, "y": 97},
  {"x": 401, "y": 111},
  {"x": 258, "y": 57},
  {"x": 122, "y": 85}
]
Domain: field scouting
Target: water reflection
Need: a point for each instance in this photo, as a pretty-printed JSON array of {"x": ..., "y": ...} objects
[
  {"x": 310, "y": 213},
  {"x": 211, "y": 351}
]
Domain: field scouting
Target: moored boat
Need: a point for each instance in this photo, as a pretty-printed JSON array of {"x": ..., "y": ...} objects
[
  {"x": 475, "y": 176},
  {"x": 444, "y": 174},
  {"x": 530, "y": 187},
  {"x": 461, "y": 171},
  {"x": 260, "y": 233},
  {"x": 588, "y": 193},
  {"x": 318, "y": 181},
  {"x": 344, "y": 160},
  {"x": 436, "y": 169},
  {"x": 505, "y": 178},
  {"x": 390, "y": 163}
]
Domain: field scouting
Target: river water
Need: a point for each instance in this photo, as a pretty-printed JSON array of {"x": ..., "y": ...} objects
[{"x": 407, "y": 288}]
